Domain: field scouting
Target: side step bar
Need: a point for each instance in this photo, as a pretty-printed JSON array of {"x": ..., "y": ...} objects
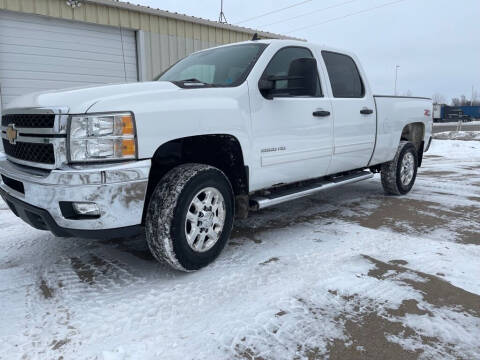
[{"x": 262, "y": 202}]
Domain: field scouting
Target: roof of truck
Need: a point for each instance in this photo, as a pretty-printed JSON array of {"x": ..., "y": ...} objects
[{"x": 290, "y": 42}]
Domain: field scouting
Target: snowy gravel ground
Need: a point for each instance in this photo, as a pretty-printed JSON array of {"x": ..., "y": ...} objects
[
  {"x": 347, "y": 274},
  {"x": 457, "y": 135}
]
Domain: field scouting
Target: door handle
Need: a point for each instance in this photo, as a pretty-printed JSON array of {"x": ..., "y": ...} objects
[
  {"x": 366, "y": 111},
  {"x": 321, "y": 113}
]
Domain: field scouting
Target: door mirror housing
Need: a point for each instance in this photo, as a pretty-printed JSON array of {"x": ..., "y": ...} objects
[
  {"x": 265, "y": 85},
  {"x": 301, "y": 80}
]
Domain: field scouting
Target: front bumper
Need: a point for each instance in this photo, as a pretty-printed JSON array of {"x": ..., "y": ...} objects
[{"x": 119, "y": 191}]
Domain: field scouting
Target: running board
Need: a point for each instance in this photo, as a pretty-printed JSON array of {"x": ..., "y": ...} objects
[{"x": 262, "y": 202}]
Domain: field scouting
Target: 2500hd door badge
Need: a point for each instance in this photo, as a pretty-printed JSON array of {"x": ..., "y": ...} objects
[{"x": 273, "y": 149}]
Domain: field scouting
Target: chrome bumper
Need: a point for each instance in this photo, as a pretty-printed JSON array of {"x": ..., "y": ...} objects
[{"x": 119, "y": 191}]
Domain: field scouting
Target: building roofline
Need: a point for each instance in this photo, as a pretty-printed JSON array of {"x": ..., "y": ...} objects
[{"x": 167, "y": 14}]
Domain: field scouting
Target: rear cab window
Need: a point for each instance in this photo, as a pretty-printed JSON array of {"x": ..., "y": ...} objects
[{"x": 344, "y": 76}]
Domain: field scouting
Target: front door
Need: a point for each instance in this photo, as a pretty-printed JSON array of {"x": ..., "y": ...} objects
[{"x": 292, "y": 133}]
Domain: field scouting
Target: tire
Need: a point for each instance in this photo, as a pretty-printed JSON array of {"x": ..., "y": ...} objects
[
  {"x": 396, "y": 179},
  {"x": 171, "y": 235}
]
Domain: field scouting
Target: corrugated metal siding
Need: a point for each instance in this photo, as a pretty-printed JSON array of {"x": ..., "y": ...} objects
[
  {"x": 40, "y": 53},
  {"x": 127, "y": 16},
  {"x": 163, "y": 50},
  {"x": 167, "y": 38}
]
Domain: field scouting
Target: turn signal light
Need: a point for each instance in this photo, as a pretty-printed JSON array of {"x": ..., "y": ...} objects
[
  {"x": 126, "y": 147},
  {"x": 127, "y": 125}
]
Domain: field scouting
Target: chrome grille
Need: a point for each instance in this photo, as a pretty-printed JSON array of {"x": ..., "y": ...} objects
[
  {"x": 35, "y": 137},
  {"x": 29, "y": 120},
  {"x": 31, "y": 152}
]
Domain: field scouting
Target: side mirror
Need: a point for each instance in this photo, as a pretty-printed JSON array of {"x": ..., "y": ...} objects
[
  {"x": 301, "y": 80},
  {"x": 266, "y": 85},
  {"x": 304, "y": 77}
]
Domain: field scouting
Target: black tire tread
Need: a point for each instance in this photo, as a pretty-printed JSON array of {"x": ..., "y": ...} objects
[
  {"x": 161, "y": 211},
  {"x": 389, "y": 171}
]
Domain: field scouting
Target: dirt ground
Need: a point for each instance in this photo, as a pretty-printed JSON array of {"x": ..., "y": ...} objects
[
  {"x": 367, "y": 329},
  {"x": 348, "y": 274}
]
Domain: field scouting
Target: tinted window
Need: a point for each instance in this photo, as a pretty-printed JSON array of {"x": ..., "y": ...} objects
[
  {"x": 344, "y": 76},
  {"x": 280, "y": 65},
  {"x": 224, "y": 66}
]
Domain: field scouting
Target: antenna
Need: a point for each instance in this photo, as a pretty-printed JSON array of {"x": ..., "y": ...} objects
[{"x": 221, "y": 18}]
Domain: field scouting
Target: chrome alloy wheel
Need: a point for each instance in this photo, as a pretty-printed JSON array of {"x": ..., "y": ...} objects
[
  {"x": 407, "y": 169},
  {"x": 205, "y": 219}
]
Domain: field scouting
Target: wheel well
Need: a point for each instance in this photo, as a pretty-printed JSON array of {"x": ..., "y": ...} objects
[
  {"x": 415, "y": 133},
  {"x": 221, "y": 151}
]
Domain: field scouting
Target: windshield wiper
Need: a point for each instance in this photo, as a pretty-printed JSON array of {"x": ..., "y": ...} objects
[{"x": 191, "y": 82}]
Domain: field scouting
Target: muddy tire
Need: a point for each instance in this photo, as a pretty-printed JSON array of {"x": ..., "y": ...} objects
[
  {"x": 190, "y": 216},
  {"x": 398, "y": 176}
]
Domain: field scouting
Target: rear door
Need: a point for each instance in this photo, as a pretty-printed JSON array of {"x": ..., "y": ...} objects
[
  {"x": 354, "y": 124},
  {"x": 292, "y": 135}
]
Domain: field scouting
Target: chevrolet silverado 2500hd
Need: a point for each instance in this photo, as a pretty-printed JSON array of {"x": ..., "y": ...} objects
[{"x": 222, "y": 132}]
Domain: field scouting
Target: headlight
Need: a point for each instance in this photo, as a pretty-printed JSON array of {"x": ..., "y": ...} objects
[{"x": 102, "y": 137}]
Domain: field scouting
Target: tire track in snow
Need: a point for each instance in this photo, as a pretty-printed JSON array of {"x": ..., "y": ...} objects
[{"x": 89, "y": 278}]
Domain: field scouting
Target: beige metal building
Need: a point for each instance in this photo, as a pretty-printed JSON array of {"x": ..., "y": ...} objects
[{"x": 47, "y": 44}]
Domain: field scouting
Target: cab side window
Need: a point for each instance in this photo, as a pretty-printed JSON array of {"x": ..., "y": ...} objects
[
  {"x": 286, "y": 63},
  {"x": 344, "y": 75}
]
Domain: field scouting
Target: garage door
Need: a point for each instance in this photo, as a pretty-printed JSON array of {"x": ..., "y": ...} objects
[{"x": 39, "y": 53}]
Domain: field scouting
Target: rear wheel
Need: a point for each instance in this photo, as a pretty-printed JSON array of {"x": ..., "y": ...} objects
[
  {"x": 398, "y": 176},
  {"x": 190, "y": 216}
]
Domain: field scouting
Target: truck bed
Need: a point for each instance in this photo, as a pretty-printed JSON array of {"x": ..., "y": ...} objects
[{"x": 393, "y": 114}]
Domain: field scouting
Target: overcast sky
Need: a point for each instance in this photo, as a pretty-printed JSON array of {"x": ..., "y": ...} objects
[{"x": 436, "y": 43}]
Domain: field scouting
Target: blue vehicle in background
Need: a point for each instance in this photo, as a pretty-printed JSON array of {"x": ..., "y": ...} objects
[{"x": 445, "y": 113}]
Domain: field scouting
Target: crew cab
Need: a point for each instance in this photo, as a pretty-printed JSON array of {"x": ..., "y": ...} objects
[{"x": 224, "y": 131}]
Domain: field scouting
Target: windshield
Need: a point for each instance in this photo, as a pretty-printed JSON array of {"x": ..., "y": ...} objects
[{"x": 224, "y": 66}]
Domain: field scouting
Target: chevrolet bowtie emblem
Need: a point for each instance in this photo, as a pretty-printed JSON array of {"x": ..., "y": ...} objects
[{"x": 11, "y": 134}]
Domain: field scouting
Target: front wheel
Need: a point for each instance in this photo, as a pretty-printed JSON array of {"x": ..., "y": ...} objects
[
  {"x": 398, "y": 175},
  {"x": 190, "y": 216}
]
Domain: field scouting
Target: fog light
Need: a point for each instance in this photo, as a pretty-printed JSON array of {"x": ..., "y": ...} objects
[{"x": 85, "y": 208}]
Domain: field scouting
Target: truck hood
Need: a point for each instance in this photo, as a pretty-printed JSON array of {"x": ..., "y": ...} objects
[{"x": 79, "y": 100}]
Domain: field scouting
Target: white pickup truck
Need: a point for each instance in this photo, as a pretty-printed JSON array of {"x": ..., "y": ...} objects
[{"x": 220, "y": 133}]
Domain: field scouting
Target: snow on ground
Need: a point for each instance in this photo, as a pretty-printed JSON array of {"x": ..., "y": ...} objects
[
  {"x": 346, "y": 274},
  {"x": 457, "y": 135}
]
